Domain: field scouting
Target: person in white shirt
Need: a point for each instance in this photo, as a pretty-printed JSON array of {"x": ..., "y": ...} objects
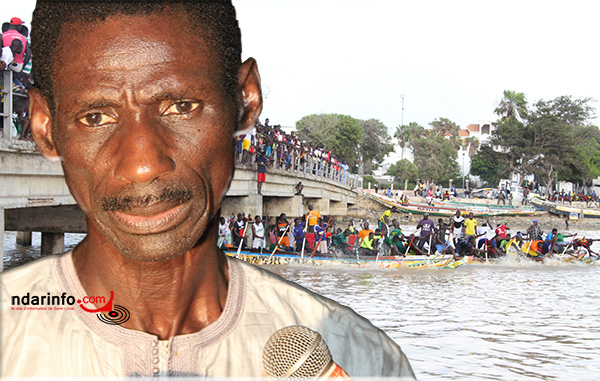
[
  {"x": 258, "y": 232},
  {"x": 457, "y": 222},
  {"x": 224, "y": 233}
]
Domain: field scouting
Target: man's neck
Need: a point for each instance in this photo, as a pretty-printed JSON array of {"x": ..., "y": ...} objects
[{"x": 166, "y": 298}]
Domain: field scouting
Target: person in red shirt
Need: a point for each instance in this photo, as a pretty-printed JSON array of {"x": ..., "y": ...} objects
[
  {"x": 501, "y": 230},
  {"x": 14, "y": 33}
]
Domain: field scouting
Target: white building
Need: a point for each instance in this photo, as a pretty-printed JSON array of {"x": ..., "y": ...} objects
[{"x": 483, "y": 133}]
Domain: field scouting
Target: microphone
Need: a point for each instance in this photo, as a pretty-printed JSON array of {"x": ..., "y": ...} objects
[{"x": 299, "y": 352}]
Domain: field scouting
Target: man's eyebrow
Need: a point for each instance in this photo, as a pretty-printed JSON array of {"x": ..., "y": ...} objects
[
  {"x": 177, "y": 95},
  {"x": 97, "y": 103}
]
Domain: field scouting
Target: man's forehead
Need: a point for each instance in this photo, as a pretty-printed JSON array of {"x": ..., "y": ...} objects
[
  {"x": 126, "y": 40},
  {"x": 124, "y": 48}
]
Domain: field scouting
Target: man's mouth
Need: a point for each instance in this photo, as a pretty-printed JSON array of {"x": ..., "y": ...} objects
[{"x": 151, "y": 220}]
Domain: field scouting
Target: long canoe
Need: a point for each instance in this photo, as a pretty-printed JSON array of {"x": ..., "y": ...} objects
[
  {"x": 562, "y": 210},
  {"x": 528, "y": 210},
  {"x": 448, "y": 210},
  {"x": 389, "y": 262}
]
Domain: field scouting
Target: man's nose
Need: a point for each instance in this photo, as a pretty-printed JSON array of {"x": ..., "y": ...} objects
[{"x": 143, "y": 152}]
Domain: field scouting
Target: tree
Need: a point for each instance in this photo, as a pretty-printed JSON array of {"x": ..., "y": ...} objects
[
  {"x": 375, "y": 145},
  {"x": 446, "y": 128},
  {"x": 472, "y": 145},
  {"x": 589, "y": 145},
  {"x": 404, "y": 169},
  {"x": 488, "y": 165},
  {"x": 555, "y": 126},
  {"x": 406, "y": 134},
  {"x": 339, "y": 133},
  {"x": 435, "y": 157},
  {"x": 435, "y": 149},
  {"x": 512, "y": 106},
  {"x": 547, "y": 141}
]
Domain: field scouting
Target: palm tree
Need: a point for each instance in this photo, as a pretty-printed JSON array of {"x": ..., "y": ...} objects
[
  {"x": 407, "y": 134},
  {"x": 513, "y": 105},
  {"x": 473, "y": 145}
]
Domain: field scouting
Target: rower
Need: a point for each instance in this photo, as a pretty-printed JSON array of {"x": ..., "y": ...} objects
[{"x": 560, "y": 239}]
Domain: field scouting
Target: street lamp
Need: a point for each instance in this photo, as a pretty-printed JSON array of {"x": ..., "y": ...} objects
[{"x": 402, "y": 118}]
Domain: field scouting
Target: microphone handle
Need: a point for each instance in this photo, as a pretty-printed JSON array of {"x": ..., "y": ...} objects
[{"x": 335, "y": 371}]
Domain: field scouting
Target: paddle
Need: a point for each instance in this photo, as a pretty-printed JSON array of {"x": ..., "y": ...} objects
[
  {"x": 408, "y": 247},
  {"x": 279, "y": 242},
  {"x": 304, "y": 239},
  {"x": 552, "y": 247},
  {"x": 450, "y": 232},
  {"x": 429, "y": 248},
  {"x": 485, "y": 242},
  {"x": 321, "y": 238},
  {"x": 569, "y": 244}
]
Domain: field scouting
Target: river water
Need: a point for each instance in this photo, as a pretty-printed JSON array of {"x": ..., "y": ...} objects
[{"x": 503, "y": 321}]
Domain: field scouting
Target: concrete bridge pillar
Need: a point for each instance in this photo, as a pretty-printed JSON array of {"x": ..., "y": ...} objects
[
  {"x": 24, "y": 238},
  {"x": 53, "y": 243},
  {"x": 339, "y": 208},
  {"x": 319, "y": 204},
  {"x": 291, "y": 206}
]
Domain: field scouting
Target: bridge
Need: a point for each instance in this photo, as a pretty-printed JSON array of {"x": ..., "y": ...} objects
[{"x": 35, "y": 197}]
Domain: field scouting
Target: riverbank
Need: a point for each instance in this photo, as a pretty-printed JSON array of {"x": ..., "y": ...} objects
[{"x": 369, "y": 210}]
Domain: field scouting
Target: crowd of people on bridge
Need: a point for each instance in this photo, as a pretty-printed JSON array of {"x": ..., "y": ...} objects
[
  {"x": 270, "y": 147},
  {"x": 16, "y": 57}
]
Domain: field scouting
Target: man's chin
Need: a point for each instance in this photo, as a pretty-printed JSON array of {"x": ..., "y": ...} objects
[{"x": 153, "y": 249}]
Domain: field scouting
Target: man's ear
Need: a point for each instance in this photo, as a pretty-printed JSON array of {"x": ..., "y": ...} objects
[
  {"x": 41, "y": 124},
  {"x": 251, "y": 106}
]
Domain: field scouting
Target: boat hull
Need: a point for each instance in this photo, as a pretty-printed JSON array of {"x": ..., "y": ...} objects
[
  {"x": 449, "y": 210},
  {"x": 410, "y": 261},
  {"x": 563, "y": 210}
]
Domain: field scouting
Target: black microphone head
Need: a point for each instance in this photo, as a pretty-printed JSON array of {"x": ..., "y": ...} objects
[{"x": 296, "y": 352}]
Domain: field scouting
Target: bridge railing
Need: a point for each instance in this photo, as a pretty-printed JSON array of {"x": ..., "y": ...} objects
[
  {"x": 302, "y": 162},
  {"x": 7, "y": 109}
]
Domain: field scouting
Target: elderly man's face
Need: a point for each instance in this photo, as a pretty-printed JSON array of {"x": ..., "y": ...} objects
[{"x": 144, "y": 127}]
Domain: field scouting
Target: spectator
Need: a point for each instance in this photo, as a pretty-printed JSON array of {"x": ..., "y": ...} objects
[
  {"x": 501, "y": 198},
  {"x": 261, "y": 163},
  {"x": 299, "y": 188},
  {"x": 21, "y": 109},
  {"x": 14, "y": 32},
  {"x": 246, "y": 142},
  {"x": 9, "y": 53}
]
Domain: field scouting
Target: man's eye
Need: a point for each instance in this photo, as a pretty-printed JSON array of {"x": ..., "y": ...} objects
[
  {"x": 96, "y": 119},
  {"x": 181, "y": 108}
]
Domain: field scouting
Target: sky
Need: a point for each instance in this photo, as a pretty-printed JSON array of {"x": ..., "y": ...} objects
[{"x": 445, "y": 58}]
